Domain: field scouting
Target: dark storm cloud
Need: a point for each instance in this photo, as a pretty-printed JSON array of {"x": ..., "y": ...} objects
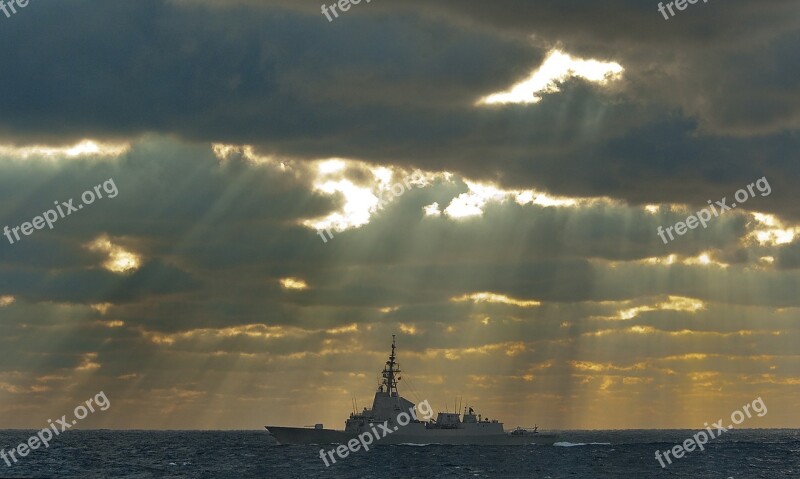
[
  {"x": 396, "y": 84},
  {"x": 249, "y": 73}
]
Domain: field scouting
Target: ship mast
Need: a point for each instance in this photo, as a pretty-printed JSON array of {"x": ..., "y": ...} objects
[{"x": 390, "y": 372}]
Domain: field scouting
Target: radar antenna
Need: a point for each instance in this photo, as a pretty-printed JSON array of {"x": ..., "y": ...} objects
[{"x": 390, "y": 373}]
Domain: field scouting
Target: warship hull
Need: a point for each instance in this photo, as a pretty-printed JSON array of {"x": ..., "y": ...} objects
[{"x": 299, "y": 435}]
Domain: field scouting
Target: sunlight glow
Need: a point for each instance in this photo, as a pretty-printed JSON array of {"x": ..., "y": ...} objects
[
  {"x": 259, "y": 331},
  {"x": 704, "y": 259},
  {"x": 119, "y": 260},
  {"x": 83, "y": 148},
  {"x": 293, "y": 284},
  {"x": 652, "y": 209},
  {"x": 334, "y": 165},
  {"x": 773, "y": 231},
  {"x": 542, "y": 199},
  {"x": 664, "y": 260},
  {"x": 473, "y": 202},
  {"x": 556, "y": 68},
  {"x": 6, "y": 300},
  {"x": 113, "y": 324},
  {"x": 672, "y": 303},
  {"x": 510, "y": 348},
  {"x": 225, "y": 152},
  {"x": 432, "y": 209},
  {"x": 350, "y": 328},
  {"x": 687, "y": 357},
  {"x": 88, "y": 363},
  {"x": 101, "y": 308},
  {"x": 361, "y": 201},
  {"x": 408, "y": 329},
  {"x": 605, "y": 367},
  {"x": 486, "y": 297}
]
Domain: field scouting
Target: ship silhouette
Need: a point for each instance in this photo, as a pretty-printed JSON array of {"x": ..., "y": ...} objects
[{"x": 400, "y": 416}]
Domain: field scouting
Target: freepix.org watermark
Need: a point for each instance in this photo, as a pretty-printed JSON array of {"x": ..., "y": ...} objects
[
  {"x": 65, "y": 209},
  {"x": 344, "y": 5},
  {"x": 43, "y": 437},
  {"x": 5, "y": 7},
  {"x": 378, "y": 432},
  {"x": 679, "y": 4},
  {"x": 703, "y": 216},
  {"x": 701, "y": 438}
]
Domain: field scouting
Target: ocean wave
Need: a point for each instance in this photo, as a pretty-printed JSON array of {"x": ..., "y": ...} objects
[{"x": 573, "y": 444}]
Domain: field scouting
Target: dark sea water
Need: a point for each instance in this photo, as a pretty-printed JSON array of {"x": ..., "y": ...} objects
[{"x": 581, "y": 454}]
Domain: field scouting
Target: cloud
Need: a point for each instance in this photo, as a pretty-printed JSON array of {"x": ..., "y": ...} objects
[
  {"x": 676, "y": 130},
  {"x": 526, "y": 263}
]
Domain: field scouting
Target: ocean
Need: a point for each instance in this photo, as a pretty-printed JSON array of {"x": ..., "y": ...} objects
[{"x": 737, "y": 454}]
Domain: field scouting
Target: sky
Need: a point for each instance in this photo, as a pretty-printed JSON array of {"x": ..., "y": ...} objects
[{"x": 274, "y": 195}]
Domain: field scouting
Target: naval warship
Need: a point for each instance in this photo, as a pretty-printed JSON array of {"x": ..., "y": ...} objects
[{"x": 388, "y": 412}]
